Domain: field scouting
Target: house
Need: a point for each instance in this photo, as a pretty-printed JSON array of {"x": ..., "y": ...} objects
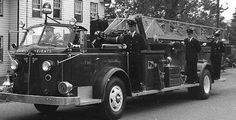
[{"x": 12, "y": 12}]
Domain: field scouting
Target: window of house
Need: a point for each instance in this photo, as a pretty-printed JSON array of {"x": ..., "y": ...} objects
[
  {"x": 36, "y": 8},
  {"x": 1, "y": 7},
  {"x": 93, "y": 10},
  {"x": 57, "y": 9},
  {"x": 1, "y": 48},
  {"x": 79, "y": 10}
]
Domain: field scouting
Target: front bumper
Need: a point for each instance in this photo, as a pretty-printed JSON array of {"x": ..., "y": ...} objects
[{"x": 48, "y": 100}]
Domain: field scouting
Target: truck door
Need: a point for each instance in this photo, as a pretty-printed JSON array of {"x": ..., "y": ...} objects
[{"x": 153, "y": 69}]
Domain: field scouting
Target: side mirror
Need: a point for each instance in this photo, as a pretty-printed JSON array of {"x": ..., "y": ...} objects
[
  {"x": 14, "y": 46},
  {"x": 21, "y": 24},
  {"x": 71, "y": 45}
]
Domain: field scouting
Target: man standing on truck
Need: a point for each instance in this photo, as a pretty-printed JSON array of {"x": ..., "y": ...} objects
[
  {"x": 135, "y": 43},
  {"x": 192, "y": 48},
  {"x": 217, "y": 48}
]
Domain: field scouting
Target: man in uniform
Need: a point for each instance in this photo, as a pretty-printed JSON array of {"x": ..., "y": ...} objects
[
  {"x": 192, "y": 48},
  {"x": 135, "y": 43},
  {"x": 217, "y": 48}
]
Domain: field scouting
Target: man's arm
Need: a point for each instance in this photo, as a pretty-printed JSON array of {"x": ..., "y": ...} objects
[
  {"x": 222, "y": 47},
  {"x": 185, "y": 40},
  {"x": 142, "y": 42},
  {"x": 197, "y": 45}
]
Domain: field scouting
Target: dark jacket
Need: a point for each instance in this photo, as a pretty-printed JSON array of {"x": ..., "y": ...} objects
[
  {"x": 134, "y": 43},
  {"x": 192, "y": 49},
  {"x": 217, "y": 48}
]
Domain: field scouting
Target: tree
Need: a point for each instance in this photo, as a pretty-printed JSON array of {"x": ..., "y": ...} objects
[
  {"x": 203, "y": 13},
  {"x": 232, "y": 36},
  {"x": 194, "y": 11}
]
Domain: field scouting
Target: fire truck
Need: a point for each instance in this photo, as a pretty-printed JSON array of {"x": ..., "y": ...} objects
[{"x": 65, "y": 70}]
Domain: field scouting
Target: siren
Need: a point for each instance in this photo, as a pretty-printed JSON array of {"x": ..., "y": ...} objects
[{"x": 47, "y": 8}]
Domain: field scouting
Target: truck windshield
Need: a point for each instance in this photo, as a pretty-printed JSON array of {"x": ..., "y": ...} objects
[
  {"x": 56, "y": 36},
  {"x": 32, "y": 36}
]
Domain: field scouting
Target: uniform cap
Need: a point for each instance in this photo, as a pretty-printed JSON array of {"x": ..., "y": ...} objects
[{"x": 190, "y": 31}]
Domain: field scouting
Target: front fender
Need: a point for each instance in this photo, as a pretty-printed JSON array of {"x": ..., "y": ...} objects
[{"x": 103, "y": 77}]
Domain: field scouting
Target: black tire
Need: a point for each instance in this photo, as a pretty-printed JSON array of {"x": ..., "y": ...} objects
[
  {"x": 204, "y": 89},
  {"x": 117, "y": 87},
  {"x": 46, "y": 108}
]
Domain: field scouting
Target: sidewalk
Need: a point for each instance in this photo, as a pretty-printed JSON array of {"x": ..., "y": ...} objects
[{"x": 2, "y": 98}]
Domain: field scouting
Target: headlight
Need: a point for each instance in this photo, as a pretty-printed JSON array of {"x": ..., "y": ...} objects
[
  {"x": 64, "y": 87},
  {"x": 47, "y": 65},
  {"x": 14, "y": 64}
]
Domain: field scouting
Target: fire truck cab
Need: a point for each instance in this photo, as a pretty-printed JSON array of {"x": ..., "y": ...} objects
[{"x": 53, "y": 66}]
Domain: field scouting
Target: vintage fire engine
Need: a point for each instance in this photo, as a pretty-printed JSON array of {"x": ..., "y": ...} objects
[{"x": 61, "y": 70}]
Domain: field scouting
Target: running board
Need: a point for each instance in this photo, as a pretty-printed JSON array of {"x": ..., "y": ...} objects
[{"x": 148, "y": 92}]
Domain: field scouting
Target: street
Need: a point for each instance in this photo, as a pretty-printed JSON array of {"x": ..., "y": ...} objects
[{"x": 171, "y": 106}]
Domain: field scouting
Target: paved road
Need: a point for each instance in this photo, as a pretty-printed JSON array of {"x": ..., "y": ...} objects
[{"x": 172, "y": 106}]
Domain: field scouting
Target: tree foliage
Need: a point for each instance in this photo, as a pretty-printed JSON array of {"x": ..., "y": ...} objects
[
  {"x": 232, "y": 36},
  {"x": 194, "y": 11}
]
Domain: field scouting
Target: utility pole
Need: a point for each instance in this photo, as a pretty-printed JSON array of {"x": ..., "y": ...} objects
[{"x": 217, "y": 13}]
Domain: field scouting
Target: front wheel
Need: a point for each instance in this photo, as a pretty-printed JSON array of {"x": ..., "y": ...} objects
[
  {"x": 204, "y": 89},
  {"x": 46, "y": 108},
  {"x": 115, "y": 99}
]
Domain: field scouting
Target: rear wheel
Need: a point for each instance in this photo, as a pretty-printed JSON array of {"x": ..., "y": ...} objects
[
  {"x": 115, "y": 99},
  {"x": 46, "y": 108},
  {"x": 204, "y": 89}
]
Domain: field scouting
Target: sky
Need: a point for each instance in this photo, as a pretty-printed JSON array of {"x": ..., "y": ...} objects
[{"x": 228, "y": 14}]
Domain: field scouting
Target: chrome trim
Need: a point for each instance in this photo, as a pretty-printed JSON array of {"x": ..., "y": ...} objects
[
  {"x": 97, "y": 53},
  {"x": 66, "y": 84},
  {"x": 48, "y": 77},
  {"x": 148, "y": 92},
  {"x": 48, "y": 100}
]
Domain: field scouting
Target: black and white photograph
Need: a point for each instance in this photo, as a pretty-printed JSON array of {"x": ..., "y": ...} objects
[{"x": 117, "y": 59}]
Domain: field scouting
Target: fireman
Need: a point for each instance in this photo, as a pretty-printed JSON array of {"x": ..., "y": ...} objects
[
  {"x": 192, "y": 47},
  {"x": 217, "y": 48},
  {"x": 135, "y": 43}
]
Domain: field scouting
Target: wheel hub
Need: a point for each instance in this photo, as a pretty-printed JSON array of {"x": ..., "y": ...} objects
[
  {"x": 207, "y": 84},
  {"x": 116, "y": 98}
]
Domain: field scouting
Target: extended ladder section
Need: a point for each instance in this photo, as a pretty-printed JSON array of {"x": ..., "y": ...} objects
[{"x": 162, "y": 29}]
